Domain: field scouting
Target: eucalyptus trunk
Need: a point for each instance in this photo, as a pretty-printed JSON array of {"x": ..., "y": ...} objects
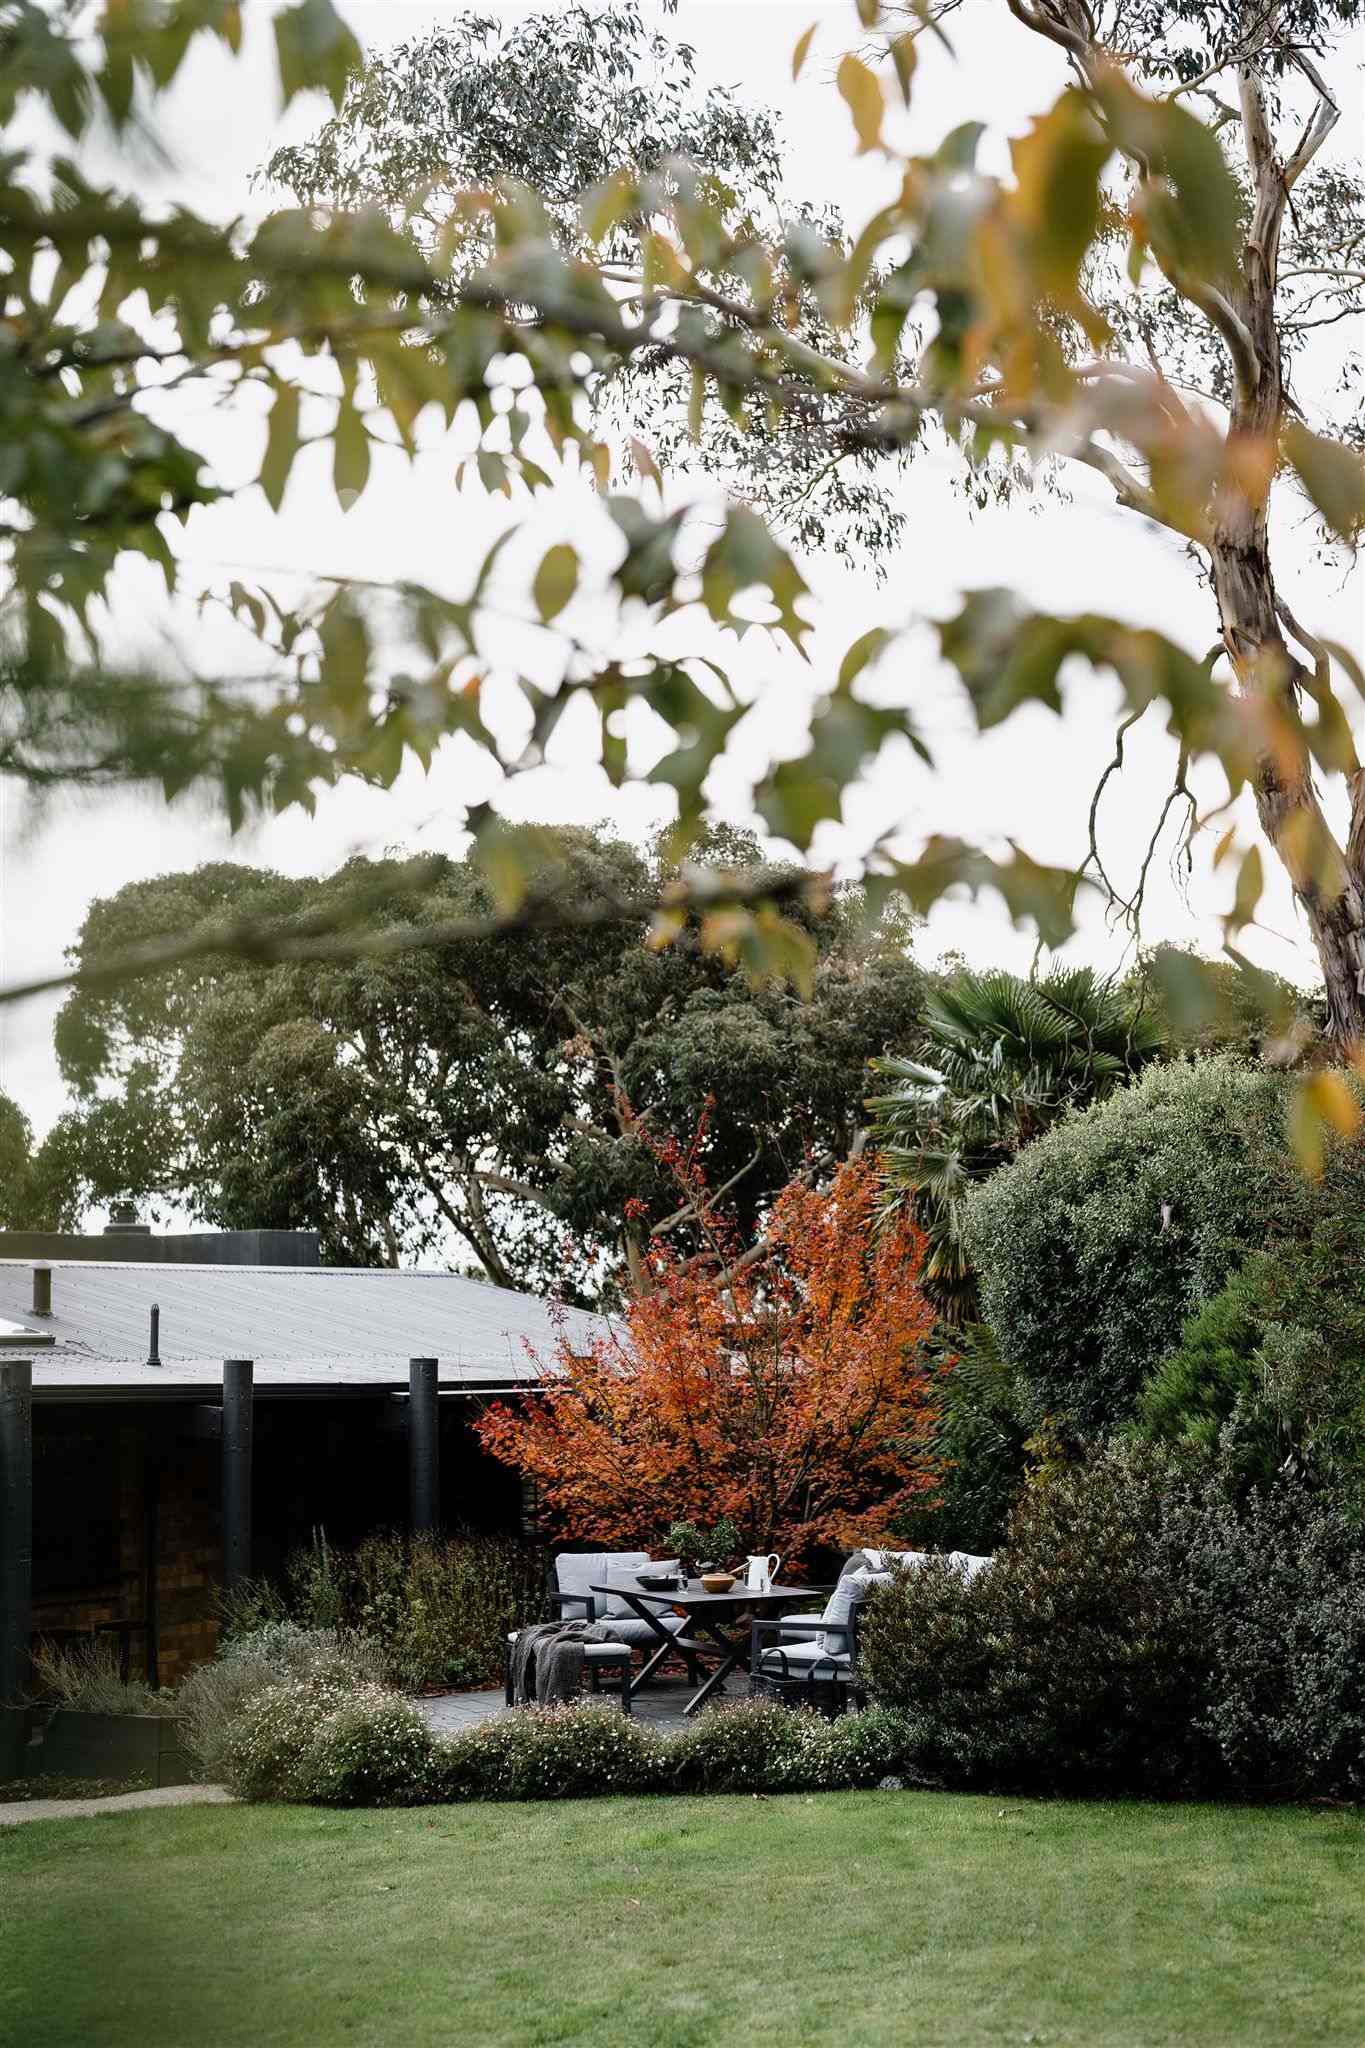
[{"x": 1328, "y": 881}]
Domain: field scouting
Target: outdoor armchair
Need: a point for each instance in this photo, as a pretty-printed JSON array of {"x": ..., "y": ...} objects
[
  {"x": 572, "y": 1598},
  {"x": 814, "y": 1648}
]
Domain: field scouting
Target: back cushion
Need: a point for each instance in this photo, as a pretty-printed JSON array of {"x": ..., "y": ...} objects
[
  {"x": 850, "y": 1592},
  {"x": 619, "y": 1567},
  {"x": 879, "y": 1560},
  {"x": 576, "y": 1570},
  {"x": 968, "y": 1563}
]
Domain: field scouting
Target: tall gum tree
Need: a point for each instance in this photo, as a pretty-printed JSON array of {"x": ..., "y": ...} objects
[
  {"x": 1126, "y": 296},
  {"x": 1294, "y": 273}
]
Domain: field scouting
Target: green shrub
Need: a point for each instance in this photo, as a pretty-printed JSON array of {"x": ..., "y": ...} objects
[
  {"x": 265, "y": 1750},
  {"x": 323, "y": 1740},
  {"x": 441, "y": 1606},
  {"x": 861, "y": 1750},
  {"x": 1071, "y": 1662},
  {"x": 211, "y": 1698},
  {"x": 752, "y": 1746},
  {"x": 1270, "y": 1375},
  {"x": 314, "y": 1739},
  {"x": 371, "y": 1748},
  {"x": 86, "y": 1677},
  {"x": 1139, "y": 1630},
  {"x": 978, "y": 1445},
  {"x": 563, "y": 1752},
  {"x": 1097, "y": 1243},
  {"x": 1283, "y": 1616}
]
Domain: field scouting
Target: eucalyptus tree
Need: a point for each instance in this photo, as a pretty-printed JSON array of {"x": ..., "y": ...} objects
[
  {"x": 1127, "y": 298},
  {"x": 522, "y": 1103},
  {"x": 563, "y": 103},
  {"x": 16, "y": 1165}
]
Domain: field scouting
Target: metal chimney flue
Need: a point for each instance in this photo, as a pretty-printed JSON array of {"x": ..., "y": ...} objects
[
  {"x": 154, "y": 1341},
  {"x": 42, "y": 1290},
  {"x": 123, "y": 1221}
]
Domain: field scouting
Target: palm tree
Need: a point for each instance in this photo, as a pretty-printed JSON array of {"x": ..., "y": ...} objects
[{"x": 1005, "y": 1058}]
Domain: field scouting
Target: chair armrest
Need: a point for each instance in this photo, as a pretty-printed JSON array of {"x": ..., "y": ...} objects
[
  {"x": 766, "y": 1630},
  {"x": 584, "y": 1600},
  {"x": 810, "y": 1625}
]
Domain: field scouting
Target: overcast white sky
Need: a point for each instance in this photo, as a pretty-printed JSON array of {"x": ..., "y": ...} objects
[{"x": 1031, "y": 781}]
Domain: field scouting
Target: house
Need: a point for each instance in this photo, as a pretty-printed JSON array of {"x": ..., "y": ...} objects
[{"x": 141, "y": 1476}]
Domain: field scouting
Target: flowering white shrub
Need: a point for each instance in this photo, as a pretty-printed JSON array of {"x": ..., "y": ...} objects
[
  {"x": 211, "y": 1698},
  {"x": 312, "y": 1739},
  {"x": 562, "y": 1752},
  {"x": 266, "y": 1752},
  {"x": 373, "y": 1749}
]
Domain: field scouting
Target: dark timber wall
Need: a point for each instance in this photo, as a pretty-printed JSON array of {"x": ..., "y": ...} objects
[{"x": 115, "y": 1486}]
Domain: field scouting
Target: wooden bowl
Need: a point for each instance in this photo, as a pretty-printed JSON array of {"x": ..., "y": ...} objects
[{"x": 717, "y": 1582}]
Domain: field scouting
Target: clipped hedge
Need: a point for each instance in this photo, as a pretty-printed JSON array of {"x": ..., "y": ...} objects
[{"x": 315, "y": 1741}]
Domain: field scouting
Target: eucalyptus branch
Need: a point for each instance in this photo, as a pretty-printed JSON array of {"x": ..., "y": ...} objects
[{"x": 270, "y": 942}]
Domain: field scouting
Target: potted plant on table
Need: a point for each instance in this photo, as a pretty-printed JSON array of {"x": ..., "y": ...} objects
[{"x": 699, "y": 1550}]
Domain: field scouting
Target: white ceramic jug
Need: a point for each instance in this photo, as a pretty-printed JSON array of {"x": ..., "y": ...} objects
[{"x": 762, "y": 1571}]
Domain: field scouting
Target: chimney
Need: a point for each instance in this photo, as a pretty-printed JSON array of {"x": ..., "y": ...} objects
[
  {"x": 123, "y": 1221},
  {"x": 42, "y": 1290}
]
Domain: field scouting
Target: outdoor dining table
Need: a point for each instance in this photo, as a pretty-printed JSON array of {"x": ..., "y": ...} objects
[{"x": 709, "y": 1630}]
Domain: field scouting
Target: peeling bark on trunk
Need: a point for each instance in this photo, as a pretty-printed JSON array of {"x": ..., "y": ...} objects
[
  {"x": 1328, "y": 882},
  {"x": 1328, "y": 886}
]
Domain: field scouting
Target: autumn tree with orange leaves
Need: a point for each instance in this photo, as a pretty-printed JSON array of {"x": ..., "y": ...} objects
[{"x": 788, "y": 1392}]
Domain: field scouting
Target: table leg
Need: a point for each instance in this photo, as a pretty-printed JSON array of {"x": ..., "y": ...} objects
[
  {"x": 731, "y": 1654},
  {"x": 667, "y": 1642}
]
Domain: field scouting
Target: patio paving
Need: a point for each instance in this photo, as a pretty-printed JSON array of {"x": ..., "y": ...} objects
[{"x": 661, "y": 1706}]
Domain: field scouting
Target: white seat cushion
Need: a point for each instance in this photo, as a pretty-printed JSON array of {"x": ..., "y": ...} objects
[
  {"x": 639, "y": 1634},
  {"x": 799, "y": 1657}
]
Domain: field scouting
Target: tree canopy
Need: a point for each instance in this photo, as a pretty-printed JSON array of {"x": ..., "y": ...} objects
[
  {"x": 793, "y": 1401},
  {"x": 16, "y": 1165},
  {"x": 1127, "y": 298},
  {"x": 1097, "y": 1243},
  {"x": 516, "y": 1102}
]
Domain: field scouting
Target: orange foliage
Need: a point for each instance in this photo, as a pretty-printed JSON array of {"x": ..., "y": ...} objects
[{"x": 790, "y": 1396}]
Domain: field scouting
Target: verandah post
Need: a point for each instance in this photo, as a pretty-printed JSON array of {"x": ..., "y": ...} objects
[
  {"x": 16, "y": 1554},
  {"x": 424, "y": 1446},
  {"x": 238, "y": 1390}
]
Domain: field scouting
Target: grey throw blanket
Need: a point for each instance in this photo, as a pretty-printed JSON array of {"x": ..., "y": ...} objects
[{"x": 547, "y": 1660}]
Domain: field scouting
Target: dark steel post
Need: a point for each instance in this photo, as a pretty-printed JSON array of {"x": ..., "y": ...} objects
[
  {"x": 424, "y": 1446},
  {"x": 151, "y": 1566},
  {"x": 238, "y": 1378},
  {"x": 16, "y": 1527}
]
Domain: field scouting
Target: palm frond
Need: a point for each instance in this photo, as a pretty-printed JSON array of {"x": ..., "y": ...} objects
[{"x": 1004, "y": 1057}]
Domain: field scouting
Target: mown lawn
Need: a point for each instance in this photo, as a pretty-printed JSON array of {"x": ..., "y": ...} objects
[{"x": 856, "y": 1919}]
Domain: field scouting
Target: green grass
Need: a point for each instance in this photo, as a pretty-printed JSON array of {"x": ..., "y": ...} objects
[{"x": 857, "y": 1919}]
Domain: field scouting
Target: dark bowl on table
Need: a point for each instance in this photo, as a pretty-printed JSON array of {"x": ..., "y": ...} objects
[{"x": 659, "y": 1582}]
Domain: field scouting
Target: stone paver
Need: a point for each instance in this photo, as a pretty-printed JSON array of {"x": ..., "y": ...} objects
[
  {"x": 660, "y": 1707},
  {"x": 16, "y": 1811}
]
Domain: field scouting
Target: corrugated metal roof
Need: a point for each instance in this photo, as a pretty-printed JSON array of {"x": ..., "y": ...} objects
[{"x": 310, "y": 1329}]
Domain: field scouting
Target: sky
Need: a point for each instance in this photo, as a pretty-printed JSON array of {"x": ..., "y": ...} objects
[{"x": 1030, "y": 781}]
